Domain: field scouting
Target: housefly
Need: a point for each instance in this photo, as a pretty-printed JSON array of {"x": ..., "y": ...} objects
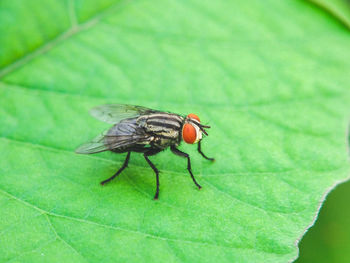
[{"x": 143, "y": 130}]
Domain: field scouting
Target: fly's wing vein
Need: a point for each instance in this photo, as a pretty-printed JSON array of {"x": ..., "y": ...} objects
[
  {"x": 114, "y": 113},
  {"x": 94, "y": 146},
  {"x": 105, "y": 142},
  {"x": 115, "y": 142}
]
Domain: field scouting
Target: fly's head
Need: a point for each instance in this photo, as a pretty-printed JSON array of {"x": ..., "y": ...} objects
[{"x": 192, "y": 129}]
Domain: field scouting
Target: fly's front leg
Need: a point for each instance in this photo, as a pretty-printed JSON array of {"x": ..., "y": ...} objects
[
  {"x": 150, "y": 153},
  {"x": 182, "y": 154},
  {"x": 200, "y": 151},
  {"x": 125, "y": 164}
]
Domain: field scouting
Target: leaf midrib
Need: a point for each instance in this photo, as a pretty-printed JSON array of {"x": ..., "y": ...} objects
[{"x": 72, "y": 31}]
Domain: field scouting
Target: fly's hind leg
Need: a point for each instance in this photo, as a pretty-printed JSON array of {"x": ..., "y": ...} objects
[
  {"x": 125, "y": 164},
  {"x": 182, "y": 154},
  {"x": 150, "y": 153}
]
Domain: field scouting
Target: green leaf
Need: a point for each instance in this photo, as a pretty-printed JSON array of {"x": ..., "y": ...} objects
[
  {"x": 269, "y": 77},
  {"x": 340, "y": 9}
]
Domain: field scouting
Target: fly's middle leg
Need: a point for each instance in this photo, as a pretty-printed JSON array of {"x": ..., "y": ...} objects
[
  {"x": 182, "y": 154},
  {"x": 125, "y": 164},
  {"x": 150, "y": 153}
]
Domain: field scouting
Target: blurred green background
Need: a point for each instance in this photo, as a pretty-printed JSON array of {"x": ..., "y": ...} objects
[{"x": 329, "y": 239}]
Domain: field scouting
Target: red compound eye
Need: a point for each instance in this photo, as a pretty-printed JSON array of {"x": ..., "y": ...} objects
[
  {"x": 193, "y": 116},
  {"x": 189, "y": 133}
]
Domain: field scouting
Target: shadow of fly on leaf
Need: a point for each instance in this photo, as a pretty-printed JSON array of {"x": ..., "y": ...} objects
[{"x": 143, "y": 130}]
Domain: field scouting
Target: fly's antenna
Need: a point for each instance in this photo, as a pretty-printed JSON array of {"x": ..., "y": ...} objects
[{"x": 201, "y": 126}]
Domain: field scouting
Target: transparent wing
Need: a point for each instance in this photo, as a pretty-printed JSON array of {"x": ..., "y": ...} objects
[
  {"x": 105, "y": 142},
  {"x": 94, "y": 146},
  {"x": 114, "y": 113}
]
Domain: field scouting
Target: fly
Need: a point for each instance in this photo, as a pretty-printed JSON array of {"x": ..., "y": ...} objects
[{"x": 143, "y": 130}]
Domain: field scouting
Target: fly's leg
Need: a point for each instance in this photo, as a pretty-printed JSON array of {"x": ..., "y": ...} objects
[
  {"x": 125, "y": 164},
  {"x": 150, "y": 153},
  {"x": 200, "y": 151},
  {"x": 182, "y": 154}
]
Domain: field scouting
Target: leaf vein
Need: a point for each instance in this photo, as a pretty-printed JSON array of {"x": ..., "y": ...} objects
[
  {"x": 61, "y": 239},
  {"x": 147, "y": 235}
]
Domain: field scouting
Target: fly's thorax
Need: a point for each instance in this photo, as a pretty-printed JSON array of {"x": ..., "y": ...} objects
[{"x": 165, "y": 125}]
